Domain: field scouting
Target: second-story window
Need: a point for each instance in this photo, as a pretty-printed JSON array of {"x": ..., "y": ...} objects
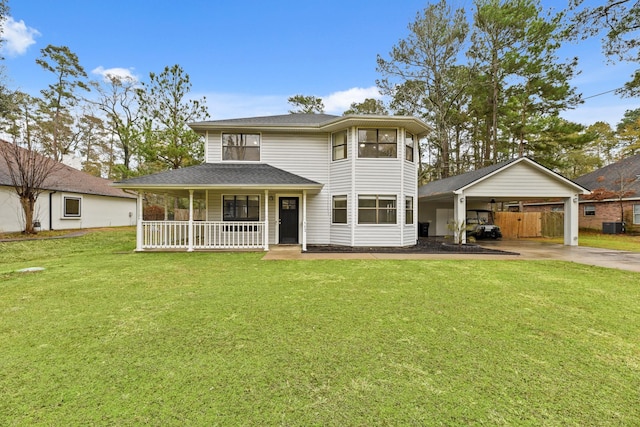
[
  {"x": 339, "y": 145},
  {"x": 377, "y": 143},
  {"x": 408, "y": 147},
  {"x": 241, "y": 146}
]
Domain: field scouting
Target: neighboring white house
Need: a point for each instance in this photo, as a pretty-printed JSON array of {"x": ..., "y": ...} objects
[
  {"x": 71, "y": 199},
  {"x": 294, "y": 179}
]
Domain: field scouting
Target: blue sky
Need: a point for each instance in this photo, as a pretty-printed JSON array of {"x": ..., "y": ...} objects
[{"x": 248, "y": 57}]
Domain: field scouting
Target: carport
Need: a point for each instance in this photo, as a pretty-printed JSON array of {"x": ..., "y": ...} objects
[{"x": 445, "y": 202}]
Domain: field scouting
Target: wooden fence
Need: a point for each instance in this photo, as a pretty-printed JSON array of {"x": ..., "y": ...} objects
[{"x": 530, "y": 224}]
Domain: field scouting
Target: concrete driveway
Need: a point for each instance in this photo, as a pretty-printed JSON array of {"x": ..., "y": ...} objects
[
  {"x": 526, "y": 250},
  {"x": 533, "y": 250}
]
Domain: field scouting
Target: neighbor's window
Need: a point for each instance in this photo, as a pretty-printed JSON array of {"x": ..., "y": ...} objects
[
  {"x": 376, "y": 209},
  {"x": 408, "y": 206},
  {"x": 339, "y": 210},
  {"x": 377, "y": 143},
  {"x": 557, "y": 208},
  {"x": 72, "y": 207},
  {"x": 636, "y": 214},
  {"x": 408, "y": 147},
  {"x": 339, "y": 145},
  {"x": 241, "y": 208},
  {"x": 589, "y": 210},
  {"x": 241, "y": 146}
]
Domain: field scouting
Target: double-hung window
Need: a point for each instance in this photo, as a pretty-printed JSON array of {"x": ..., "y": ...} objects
[
  {"x": 339, "y": 145},
  {"x": 241, "y": 146},
  {"x": 377, "y": 209},
  {"x": 375, "y": 143},
  {"x": 636, "y": 214},
  {"x": 408, "y": 147},
  {"x": 339, "y": 211},
  {"x": 408, "y": 207},
  {"x": 589, "y": 210},
  {"x": 241, "y": 208}
]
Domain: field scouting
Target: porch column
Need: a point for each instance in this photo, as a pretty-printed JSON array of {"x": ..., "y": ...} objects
[
  {"x": 571, "y": 218},
  {"x": 139, "y": 223},
  {"x": 304, "y": 220},
  {"x": 459, "y": 218},
  {"x": 190, "y": 243},
  {"x": 266, "y": 220},
  {"x": 166, "y": 208}
]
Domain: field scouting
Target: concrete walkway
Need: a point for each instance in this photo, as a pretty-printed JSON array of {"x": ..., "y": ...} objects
[{"x": 527, "y": 250}]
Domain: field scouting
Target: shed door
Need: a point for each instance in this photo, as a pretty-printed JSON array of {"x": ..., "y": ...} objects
[{"x": 288, "y": 212}]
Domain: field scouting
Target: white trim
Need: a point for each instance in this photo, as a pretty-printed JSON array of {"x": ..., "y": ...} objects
[
  {"x": 222, "y": 159},
  {"x": 190, "y": 243},
  {"x": 530, "y": 162},
  {"x": 304, "y": 220},
  {"x": 63, "y": 214},
  {"x": 266, "y": 220}
]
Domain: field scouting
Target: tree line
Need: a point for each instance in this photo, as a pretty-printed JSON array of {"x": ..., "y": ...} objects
[{"x": 492, "y": 86}]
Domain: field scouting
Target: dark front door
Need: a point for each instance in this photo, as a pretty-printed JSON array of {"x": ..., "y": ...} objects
[{"x": 288, "y": 220}]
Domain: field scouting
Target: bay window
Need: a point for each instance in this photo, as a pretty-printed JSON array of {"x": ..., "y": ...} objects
[
  {"x": 376, "y": 143},
  {"x": 376, "y": 209}
]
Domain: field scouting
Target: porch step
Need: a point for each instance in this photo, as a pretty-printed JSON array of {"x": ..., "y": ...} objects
[{"x": 286, "y": 248}]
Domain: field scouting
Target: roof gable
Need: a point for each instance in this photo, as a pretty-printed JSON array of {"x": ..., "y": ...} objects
[{"x": 501, "y": 175}]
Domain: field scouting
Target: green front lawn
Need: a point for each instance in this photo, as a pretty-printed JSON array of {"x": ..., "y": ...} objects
[{"x": 105, "y": 336}]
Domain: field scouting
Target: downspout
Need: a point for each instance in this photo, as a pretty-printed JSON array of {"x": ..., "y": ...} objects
[{"x": 51, "y": 210}]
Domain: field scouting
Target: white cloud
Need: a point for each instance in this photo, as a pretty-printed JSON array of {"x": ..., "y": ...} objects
[
  {"x": 339, "y": 102},
  {"x": 120, "y": 73},
  {"x": 17, "y": 37}
]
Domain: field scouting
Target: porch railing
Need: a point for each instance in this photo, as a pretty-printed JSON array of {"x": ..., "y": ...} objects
[{"x": 206, "y": 235}]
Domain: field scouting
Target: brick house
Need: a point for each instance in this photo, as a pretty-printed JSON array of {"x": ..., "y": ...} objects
[{"x": 614, "y": 198}]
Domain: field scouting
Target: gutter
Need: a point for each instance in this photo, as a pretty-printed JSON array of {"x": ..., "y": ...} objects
[{"x": 51, "y": 210}]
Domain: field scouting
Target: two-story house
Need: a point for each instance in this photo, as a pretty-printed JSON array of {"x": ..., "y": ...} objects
[{"x": 294, "y": 179}]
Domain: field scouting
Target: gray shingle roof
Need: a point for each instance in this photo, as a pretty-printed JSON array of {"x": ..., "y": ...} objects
[
  {"x": 220, "y": 174},
  {"x": 625, "y": 172},
  {"x": 281, "y": 120},
  {"x": 67, "y": 179}
]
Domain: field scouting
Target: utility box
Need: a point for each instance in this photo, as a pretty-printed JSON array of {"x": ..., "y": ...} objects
[{"x": 612, "y": 227}]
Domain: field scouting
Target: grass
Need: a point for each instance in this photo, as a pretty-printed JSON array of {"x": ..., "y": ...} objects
[{"x": 105, "y": 336}]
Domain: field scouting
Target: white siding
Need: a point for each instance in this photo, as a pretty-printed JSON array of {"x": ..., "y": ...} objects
[
  {"x": 521, "y": 180},
  {"x": 377, "y": 235},
  {"x": 306, "y": 155},
  {"x": 213, "y": 149},
  {"x": 340, "y": 184},
  {"x": 382, "y": 176},
  {"x": 96, "y": 211},
  {"x": 309, "y": 155}
]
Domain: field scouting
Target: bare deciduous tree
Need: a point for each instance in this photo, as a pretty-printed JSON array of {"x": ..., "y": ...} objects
[{"x": 28, "y": 172}]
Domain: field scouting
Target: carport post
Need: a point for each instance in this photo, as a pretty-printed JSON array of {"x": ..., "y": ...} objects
[
  {"x": 571, "y": 218},
  {"x": 459, "y": 218}
]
